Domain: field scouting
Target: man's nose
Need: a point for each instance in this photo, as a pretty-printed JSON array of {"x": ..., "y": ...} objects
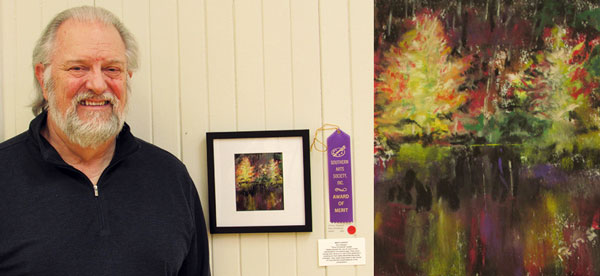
[{"x": 96, "y": 82}]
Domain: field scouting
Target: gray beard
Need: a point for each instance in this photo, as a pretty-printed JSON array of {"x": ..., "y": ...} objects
[{"x": 93, "y": 132}]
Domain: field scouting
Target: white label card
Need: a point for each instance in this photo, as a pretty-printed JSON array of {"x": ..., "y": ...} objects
[{"x": 342, "y": 252}]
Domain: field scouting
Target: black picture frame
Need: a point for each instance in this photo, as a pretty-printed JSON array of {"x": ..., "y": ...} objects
[{"x": 259, "y": 181}]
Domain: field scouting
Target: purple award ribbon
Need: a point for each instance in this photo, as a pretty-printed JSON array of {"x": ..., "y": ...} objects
[{"x": 340, "y": 177}]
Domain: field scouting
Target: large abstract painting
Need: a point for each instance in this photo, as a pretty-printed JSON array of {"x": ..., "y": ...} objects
[{"x": 487, "y": 137}]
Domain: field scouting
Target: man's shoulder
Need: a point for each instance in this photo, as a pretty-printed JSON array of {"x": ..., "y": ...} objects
[
  {"x": 154, "y": 153},
  {"x": 13, "y": 142},
  {"x": 159, "y": 165},
  {"x": 14, "y": 151}
]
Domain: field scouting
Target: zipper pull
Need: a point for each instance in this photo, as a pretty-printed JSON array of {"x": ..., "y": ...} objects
[{"x": 95, "y": 190}]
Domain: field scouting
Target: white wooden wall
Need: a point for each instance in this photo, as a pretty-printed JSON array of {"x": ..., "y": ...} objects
[
  {"x": 227, "y": 65},
  {"x": 1, "y": 75}
]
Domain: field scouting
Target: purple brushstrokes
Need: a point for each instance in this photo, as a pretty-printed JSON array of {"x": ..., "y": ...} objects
[
  {"x": 502, "y": 172},
  {"x": 549, "y": 174}
]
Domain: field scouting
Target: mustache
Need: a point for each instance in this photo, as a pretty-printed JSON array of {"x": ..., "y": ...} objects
[{"x": 89, "y": 95}]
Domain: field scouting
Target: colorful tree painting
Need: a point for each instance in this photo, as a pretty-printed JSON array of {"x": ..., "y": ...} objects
[
  {"x": 487, "y": 146},
  {"x": 259, "y": 181}
]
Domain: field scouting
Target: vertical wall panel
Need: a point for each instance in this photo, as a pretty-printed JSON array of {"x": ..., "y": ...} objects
[
  {"x": 282, "y": 254},
  {"x": 278, "y": 64},
  {"x": 77, "y": 3},
  {"x": 136, "y": 16},
  {"x": 226, "y": 255},
  {"x": 50, "y": 8},
  {"x": 249, "y": 66},
  {"x": 254, "y": 254},
  {"x": 194, "y": 93},
  {"x": 250, "y": 110},
  {"x": 361, "y": 55},
  {"x": 164, "y": 56},
  {"x": 307, "y": 113},
  {"x": 1, "y": 75},
  {"x": 335, "y": 79},
  {"x": 221, "y": 65},
  {"x": 335, "y": 67},
  {"x": 7, "y": 84},
  {"x": 9, "y": 29},
  {"x": 115, "y": 6},
  {"x": 29, "y": 24},
  {"x": 306, "y": 80},
  {"x": 279, "y": 111},
  {"x": 222, "y": 113}
]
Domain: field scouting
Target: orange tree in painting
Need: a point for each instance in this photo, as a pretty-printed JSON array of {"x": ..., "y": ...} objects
[
  {"x": 417, "y": 90},
  {"x": 244, "y": 173}
]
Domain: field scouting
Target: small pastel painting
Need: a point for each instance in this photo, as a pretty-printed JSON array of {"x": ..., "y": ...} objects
[
  {"x": 487, "y": 137},
  {"x": 259, "y": 181}
]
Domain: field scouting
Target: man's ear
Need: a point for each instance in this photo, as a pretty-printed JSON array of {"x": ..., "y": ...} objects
[
  {"x": 39, "y": 75},
  {"x": 130, "y": 74}
]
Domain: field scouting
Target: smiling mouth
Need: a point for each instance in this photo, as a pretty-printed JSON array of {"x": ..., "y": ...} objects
[{"x": 93, "y": 103}]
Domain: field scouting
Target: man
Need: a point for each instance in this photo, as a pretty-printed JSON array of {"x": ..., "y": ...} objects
[{"x": 79, "y": 194}]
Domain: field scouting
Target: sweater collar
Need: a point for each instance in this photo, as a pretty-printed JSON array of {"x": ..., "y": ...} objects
[{"x": 126, "y": 143}]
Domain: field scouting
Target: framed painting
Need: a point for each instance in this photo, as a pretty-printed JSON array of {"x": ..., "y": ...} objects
[{"x": 259, "y": 181}]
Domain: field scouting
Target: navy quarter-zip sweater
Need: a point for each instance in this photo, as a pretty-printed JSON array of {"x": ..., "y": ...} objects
[{"x": 146, "y": 220}]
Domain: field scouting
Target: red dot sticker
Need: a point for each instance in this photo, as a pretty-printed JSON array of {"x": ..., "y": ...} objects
[{"x": 351, "y": 229}]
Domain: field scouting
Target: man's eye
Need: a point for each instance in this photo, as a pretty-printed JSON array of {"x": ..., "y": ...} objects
[
  {"x": 78, "y": 70},
  {"x": 112, "y": 71}
]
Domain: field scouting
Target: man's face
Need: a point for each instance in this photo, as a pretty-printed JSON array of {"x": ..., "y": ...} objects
[{"x": 86, "y": 89}]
